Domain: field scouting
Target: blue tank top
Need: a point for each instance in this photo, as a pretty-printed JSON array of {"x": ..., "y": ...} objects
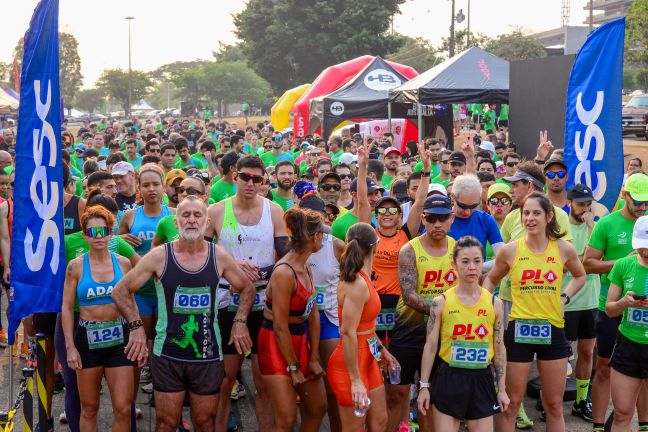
[
  {"x": 92, "y": 293},
  {"x": 144, "y": 226}
]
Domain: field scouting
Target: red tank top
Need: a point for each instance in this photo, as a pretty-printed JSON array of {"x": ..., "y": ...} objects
[
  {"x": 370, "y": 310},
  {"x": 302, "y": 299}
]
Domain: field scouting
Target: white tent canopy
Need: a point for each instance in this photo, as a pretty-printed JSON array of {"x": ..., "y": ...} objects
[
  {"x": 6, "y": 101},
  {"x": 142, "y": 105}
]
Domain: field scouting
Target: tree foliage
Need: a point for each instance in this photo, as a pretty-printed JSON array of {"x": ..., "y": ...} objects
[
  {"x": 417, "y": 53},
  {"x": 114, "y": 83},
  {"x": 70, "y": 75},
  {"x": 229, "y": 53},
  {"x": 167, "y": 71},
  {"x": 636, "y": 43},
  {"x": 89, "y": 99},
  {"x": 515, "y": 46},
  {"x": 290, "y": 42},
  {"x": 462, "y": 42}
]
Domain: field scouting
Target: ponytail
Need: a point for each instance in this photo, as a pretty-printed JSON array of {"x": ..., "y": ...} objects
[
  {"x": 302, "y": 225},
  {"x": 361, "y": 238}
]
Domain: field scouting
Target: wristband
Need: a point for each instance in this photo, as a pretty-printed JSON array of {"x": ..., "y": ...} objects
[
  {"x": 293, "y": 368},
  {"x": 425, "y": 174},
  {"x": 539, "y": 161},
  {"x": 134, "y": 325},
  {"x": 240, "y": 320},
  {"x": 565, "y": 296},
  {"x": 423, "y": 384}
]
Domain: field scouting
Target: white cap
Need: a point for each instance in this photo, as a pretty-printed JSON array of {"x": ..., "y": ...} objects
[
  {"x": 487, "y": 145},
  {"x": 438, "y": 188},
  {"x": 347, "y": 158},
  {"x": 122, "y": 168},
  {"x": 640, "y": 233}
]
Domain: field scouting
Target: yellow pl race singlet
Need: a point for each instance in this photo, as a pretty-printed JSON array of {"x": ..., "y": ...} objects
[{"x": 467, "y": 331}]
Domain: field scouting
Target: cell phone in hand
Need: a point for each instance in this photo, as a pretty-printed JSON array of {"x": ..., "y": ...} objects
[{"x": 638, "y": 297}]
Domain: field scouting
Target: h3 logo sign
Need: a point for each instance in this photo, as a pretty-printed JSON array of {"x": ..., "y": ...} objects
[{"x": 381, "y": 80}]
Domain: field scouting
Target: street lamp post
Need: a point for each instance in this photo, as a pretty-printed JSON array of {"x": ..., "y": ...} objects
[
  {"x": 451, "y": 51},
  {"x": 130, "y": 70}
]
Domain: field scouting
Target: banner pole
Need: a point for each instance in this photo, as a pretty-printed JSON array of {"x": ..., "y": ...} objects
[
  {"x": 11, "y": 377},
  {"x": 420, "y": 122},
  {"x": 389, "y": 115}
]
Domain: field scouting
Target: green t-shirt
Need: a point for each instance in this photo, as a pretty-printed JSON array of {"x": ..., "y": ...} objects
[
  {"x": 440, "y": 181},
  {"x": 221, "y": 190},
  {"x": 477, "y": 109},
  {"x": 629, "y": 275},
  {"x": 342, "y": 224},
  {"x": 195, "y": 162},
  {"x": 137, "y": 162},
  {"x": 166, "y": 230},
  {"x": 489, "y": 121},
  {"x": 587, "y": 297},
  {"x": 285, "y": 203},
  {"x": 271, "y": 159},
  {"x": 435, "y": 168},
  {"x": 612, "y": 235},
  {"x": 504, "y": 112},
  {"x": 386, "y": 181}
]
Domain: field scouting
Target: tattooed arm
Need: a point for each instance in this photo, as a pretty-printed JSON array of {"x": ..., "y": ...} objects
[
  {"x": 429, "y": 351},
  {"x": 499, "y": 357},
  {"x": 408, "y": 279}
]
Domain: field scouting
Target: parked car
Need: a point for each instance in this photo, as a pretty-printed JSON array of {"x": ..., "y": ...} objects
[{"x": 635, "y": 115}]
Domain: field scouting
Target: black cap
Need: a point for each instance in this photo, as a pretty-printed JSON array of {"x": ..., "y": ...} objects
[
  {"x": 523, "y": 175},
  {"x": 389, "y": 199},
  {"x": 328, "y": 175},
  {"x": 399, "y": 189},
  {"x": 437, "y": 204},
  {"x": 371, "y": 186},
  {"x": 457, "y": 157},
  {"x": 580, "y": 193},
  {"x": 554, "y": 160},
  {"x": 313, "y": 202}
]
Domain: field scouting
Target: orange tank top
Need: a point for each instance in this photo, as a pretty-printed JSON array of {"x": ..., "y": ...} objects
[
  {"x": 370, "y": 310},
  {"x": 384, "y": 269}
]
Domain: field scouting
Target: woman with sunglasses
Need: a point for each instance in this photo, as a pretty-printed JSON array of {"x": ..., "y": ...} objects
[
  {"x": 536, "y": 263},
  {"x": 499, "y": 205},
  {"x": 96, "y": 347},
  {"x": 353, "y": 371},
  {"x": 288, "y": 357}
]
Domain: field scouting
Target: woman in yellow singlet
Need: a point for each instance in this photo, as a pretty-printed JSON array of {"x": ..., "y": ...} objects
[
  {"x": 536, "y": 324},
  {"x": 466, "y": 321}
]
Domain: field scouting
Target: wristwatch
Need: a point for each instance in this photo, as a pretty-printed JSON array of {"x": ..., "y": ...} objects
[
  {"x": 563, "y": 295},
  {"x": 293, "y": 368},
  {"x": 133, "y": 325},
  {"x": 425, "y": 174},
  {"x": 423, "y": 384}
]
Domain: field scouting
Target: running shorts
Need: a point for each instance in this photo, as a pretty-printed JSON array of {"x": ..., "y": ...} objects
[
  {"x": 147, "y": 305},
  {"x": 109, "y": 357},
  {"x": 606, "y": 330},
  {"x": 580, "y": 324},
  {"x": 338, "y": 374},
  {"x": 525, "y": 352},
  {"x": 630, "y": 358},
  {"x": 465, "y": 394},
  {"x": 271, "y": 361},
  {"x": 172, "y": 376},
  {"x": 410, "y": 360},
  {"x": 45, "y": 323},
  {"x": 225, "y": 323},
  {"x": 328, "y": 330},
  {"x": 502, "y": 123}
]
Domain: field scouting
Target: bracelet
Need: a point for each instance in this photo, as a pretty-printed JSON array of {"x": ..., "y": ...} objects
[
  {"x": 134, "y": 325},
  {"x": 565, "y": 296},
  {"x": 539, "y": 161},
  {"x": 425, "y": 174},
  {"x": 423, "y": 384},
  {"x": 240, "y": 320}
]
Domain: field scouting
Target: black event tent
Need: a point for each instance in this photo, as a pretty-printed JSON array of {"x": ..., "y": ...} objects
[
  {"x": 365, "y": 96},
  {"x": 472, "y": 76}
]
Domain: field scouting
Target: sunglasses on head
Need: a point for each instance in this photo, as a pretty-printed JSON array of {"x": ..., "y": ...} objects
[
  {"x": 434, "y": 218},
  {"x": 553, "y": 174},
  {"x": 635, "y": 202},
  {"x": 512, "y": 164},
  {"x": 385, "y": 210},
  {"x": 189, "y": 190},
  {"x": 316, "y": 154},
  {"x": 95, "y": 232},
  {"x": 327, "y": 187},
  {"x": 499, "y": 201},
  {"x": 466, "y": 206},
  {"x": 245, "y": 177}
]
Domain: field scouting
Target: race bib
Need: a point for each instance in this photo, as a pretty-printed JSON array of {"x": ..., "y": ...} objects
[
  {"x": 309, "y": 306},
  {"x": 105, "y": 334},
  {"x": 374, "y": 347},
  {"x": 259, "y": 301},
  {"x": 537, "y": 332},
  {"x": 192, "y": 301},
  {"x": 386, "y": 319},
  {"x": 637, "y": 318},
  {"x": 321, "y": 298},
  {"x": 469, "y": 355}
]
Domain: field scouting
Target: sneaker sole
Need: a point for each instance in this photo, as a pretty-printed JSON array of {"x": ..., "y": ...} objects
[{"x": 579, "y": 415}]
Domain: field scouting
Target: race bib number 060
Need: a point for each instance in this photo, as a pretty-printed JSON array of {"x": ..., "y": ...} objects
[{"x": 192, "y": 301}]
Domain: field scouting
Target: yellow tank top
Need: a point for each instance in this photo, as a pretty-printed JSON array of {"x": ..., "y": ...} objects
[
  {"x": 435, "y": 276},
  {"x": 467, "y": 332},
  {"x": 536, "y": 282}
]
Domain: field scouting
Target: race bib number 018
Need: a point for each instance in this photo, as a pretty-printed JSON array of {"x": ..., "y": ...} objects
[
  {"x": 637, "y": 318},
  {"x": 469, "y": 355},
  {"x": 537, "y": 332},
  {"x": 259, "y": 302},
  {"x": 321, "y": 298},
  {"x": 192, "y": 301},
  {"x": 386, "y": 319},
  {"x": 105, "y": 334},
  {"x": 374, "y": 347}
]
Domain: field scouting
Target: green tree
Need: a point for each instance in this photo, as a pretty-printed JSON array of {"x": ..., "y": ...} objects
[
  {"x": 6, "y": 70},
  {"x": 89, "y": 99},
  {"x": 462, "y": 42},
  {"x": 290, "y": 42},
  {"x": 114, "y": 83},
  {"x": 167, "y": 71},
  {"x": 70, "y": 75},
  {"x": 515, "y": 46},
  {"x": 229, "y": 53},
  {"x": 636, "y": 43},
  {"x": 164, "y": 94},
  {"x": 417, "y": 53},
  {"x": 191, "y": 84}
]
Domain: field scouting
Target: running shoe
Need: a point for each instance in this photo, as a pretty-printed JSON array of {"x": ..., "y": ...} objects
[
  {"x": 234, "y": 395},
  {"x": 540, "y": 408},
  {"x": 138, "y": 413},
  {"x": 145, "y": 374},
  {"x": 523, "y": 421},
  {"x": 3, "y": 338},
  {"x": 231, "y": 423},
  {"x": 583, "y": 409},
  {"x": 241, "y": 391},
  {"x": 63, "y": 418},
  {"x": 147, "y": 388},
  {"x": 183, "y": 426},
  {"x": 50, "y": 426}
]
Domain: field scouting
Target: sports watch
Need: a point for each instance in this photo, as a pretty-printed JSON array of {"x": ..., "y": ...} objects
[{"x": 293, "y": 368}]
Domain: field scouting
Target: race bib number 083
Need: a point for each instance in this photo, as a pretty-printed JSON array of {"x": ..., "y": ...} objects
[{"x": 537, "y": 332}]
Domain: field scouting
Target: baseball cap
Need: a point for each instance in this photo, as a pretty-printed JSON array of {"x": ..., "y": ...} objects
[
  {"x": 437, "y": 204},
  {"x": 554, "y": 160},
  {"x": 580, "y": 193},
  {"x": 332, "y": 175},
  {"x": 228, "y": 161},
  {"x": 488, "y": 146},
  {"x": 399, "y": 189},
  {"x": 637, "y": 186},
  {"x": 499, "y": 188},
  {"x": 457, "y": 157},
  {"x": 389, "y": 199},
  {"x": 173, "y": 175},
  {"x": 80, "y": 146},
  {"x": 640, "y": 233},
  {"x": 122, "y": 168},
  {"x": 315, "y": 203},
  {"x": 523, "y": 175},
  {"x": 348, "y": 158},
  {"x": 371, "y": 186},
  {"x": 304, "y": 144},
  {"x": 391, "y": 149},
  {"x": 436, "y": 188}
]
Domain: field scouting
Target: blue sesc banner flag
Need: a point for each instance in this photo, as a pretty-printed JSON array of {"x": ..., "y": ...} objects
[
  {"x": 37, "y": 245},
  {"x": 593, "y": 130}
]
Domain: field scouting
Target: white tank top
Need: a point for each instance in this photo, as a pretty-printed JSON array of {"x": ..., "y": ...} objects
[
  {"x": 326, "y": 276},
  {"x": 254, "y": 243}
]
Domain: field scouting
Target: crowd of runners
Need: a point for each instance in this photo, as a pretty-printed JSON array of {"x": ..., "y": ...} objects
[{"x": 386, "y": 288}]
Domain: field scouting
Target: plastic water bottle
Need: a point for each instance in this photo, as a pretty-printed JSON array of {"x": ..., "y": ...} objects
[
  {"x": 362, "y": 411},
  {"x": 395, "y": 373}
]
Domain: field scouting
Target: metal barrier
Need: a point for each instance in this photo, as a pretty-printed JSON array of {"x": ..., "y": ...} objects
[
  {"x": 41, "y": 380},
  {"x": 7, "y": 419}
]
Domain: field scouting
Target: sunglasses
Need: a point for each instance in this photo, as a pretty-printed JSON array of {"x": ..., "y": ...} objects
[
  {"x": 637, "y": 203},
  {"x": 327, "y": 187},
  {"x": 466, "y": 206},
  {"x": 499, "y": 201},
  {"x": 245, "y": 177},
  {"x": 434, "y": 218},
  {"x": 512, "y": 164},
  {"x": 346, "y": 176},
  {"x": 189, "y": 190},
  {"x": 316, "y": 154},
  {"x": 445, "y": 161},
  {"x": 385, "y": 210},
  {"x": 553, "y": 174},
  {"x": 94, "y": 232}
]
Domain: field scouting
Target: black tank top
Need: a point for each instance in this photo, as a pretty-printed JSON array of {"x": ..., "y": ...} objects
[
  {"x": 72, "y": 222},
  {"x": 187, "y": 327}
]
